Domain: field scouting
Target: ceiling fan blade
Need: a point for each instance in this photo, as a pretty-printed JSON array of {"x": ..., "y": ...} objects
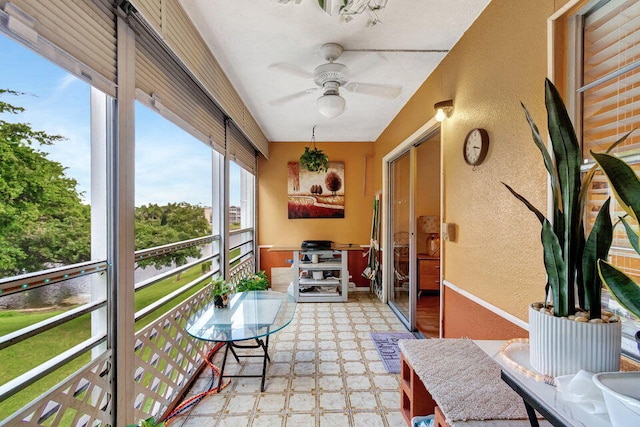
[
  {"x": 292, "y": 69},
  {"x": 279, "y": 101},
  {"x": 385, "y": 91}
]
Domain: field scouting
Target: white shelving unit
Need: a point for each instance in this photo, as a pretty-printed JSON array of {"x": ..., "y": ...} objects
[{"x": 333, "y": 285}]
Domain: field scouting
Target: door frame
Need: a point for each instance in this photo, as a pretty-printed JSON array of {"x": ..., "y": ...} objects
[{"x": 405, "y": 147}]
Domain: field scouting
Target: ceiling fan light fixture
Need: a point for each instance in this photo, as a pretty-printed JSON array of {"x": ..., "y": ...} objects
[
  {"x": 330, "y": 105},
  {"x": 444, "y": 109}
]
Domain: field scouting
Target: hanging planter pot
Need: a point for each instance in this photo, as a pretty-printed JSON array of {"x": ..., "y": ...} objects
[{"x": 312, "y": 159}]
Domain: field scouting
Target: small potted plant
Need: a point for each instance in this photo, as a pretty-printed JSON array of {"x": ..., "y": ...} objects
[
  {"x": 255, "y": 282},
  {"x": 220, "y": 291},
  {"x": 568, "y": 331},
  {"x": 149, "y": 422}
]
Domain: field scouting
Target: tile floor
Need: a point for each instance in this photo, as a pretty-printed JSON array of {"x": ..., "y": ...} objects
[{"x": 324, "y": 371}]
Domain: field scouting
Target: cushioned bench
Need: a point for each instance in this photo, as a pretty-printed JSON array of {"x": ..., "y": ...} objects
[{"x": 463, "y": 382}]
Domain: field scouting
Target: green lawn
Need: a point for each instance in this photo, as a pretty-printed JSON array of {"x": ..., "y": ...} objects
[
  {"x": 232, "y": 254},
  {"x": 160, "y": 289},
  {"x": 22, "y": 357}
]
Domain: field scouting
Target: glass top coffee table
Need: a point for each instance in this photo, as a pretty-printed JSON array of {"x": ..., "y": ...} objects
[{"x": 252, "y": 315}]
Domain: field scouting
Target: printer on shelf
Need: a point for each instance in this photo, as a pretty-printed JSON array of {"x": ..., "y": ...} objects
[{"x": 316, "y": 244}]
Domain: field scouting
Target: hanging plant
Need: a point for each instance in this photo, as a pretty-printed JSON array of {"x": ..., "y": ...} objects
[{"x": 312, "y": 159}]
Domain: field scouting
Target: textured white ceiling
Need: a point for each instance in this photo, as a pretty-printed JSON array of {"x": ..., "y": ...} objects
[{"x": 246, "y": 36}]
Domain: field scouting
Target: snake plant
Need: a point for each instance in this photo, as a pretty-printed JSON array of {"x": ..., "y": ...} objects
[
  {"x": 626, "y": 188},
  {"x": 570, "y": 260}
]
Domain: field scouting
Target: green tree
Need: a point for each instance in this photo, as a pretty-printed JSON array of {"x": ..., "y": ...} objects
[
  {"x": 43, "y": 222},
  {"x": 160, "y": 225}
]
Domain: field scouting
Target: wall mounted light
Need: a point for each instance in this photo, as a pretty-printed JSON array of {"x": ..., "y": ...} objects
[{"x": 444, "y": 109}]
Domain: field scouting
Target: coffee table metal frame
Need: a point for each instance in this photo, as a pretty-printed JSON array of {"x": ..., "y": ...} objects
[{"x": 250, "y": 316}]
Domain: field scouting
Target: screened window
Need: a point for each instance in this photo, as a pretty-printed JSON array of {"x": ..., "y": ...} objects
[
  {"x": 241, "y": 189},
  {"x": 46, "y": 181},
  {"x": 52, "y": 221},
  {"x": 173, "y": 205},
  {"x": 241, "y": 213}
]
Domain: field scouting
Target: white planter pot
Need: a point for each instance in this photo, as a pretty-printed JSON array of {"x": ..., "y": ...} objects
[{"x": 560, "y": 346}]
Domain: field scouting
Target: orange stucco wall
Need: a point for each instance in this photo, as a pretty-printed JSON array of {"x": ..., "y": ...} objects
[
  {"x": 500, "y": 61},
  {"x": 274, "y": 228}
]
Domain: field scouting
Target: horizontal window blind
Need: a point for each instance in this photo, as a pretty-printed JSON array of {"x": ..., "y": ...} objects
[
  {"x": 168, "y": 18},
  {"x": 169, "y": 87},
  {"x": 83, "y": 29},
  {"x": 255, "y": 134},
  {"x": 611, "y": 106},
  {"x": 183, "y": 36},
  {"x": 152, "y": 11},
  {"x": 610, "y": 110},
  {"x": 239, "y": 149},
  {"x": 611, "y": 39},
  {"x": 611, "y": 76}
]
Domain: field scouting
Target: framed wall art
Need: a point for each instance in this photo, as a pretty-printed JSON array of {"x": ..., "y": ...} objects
[{"x": 315, "y": 194}]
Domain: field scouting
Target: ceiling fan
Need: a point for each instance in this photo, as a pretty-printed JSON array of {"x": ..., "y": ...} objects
[{"x": 330, "y": 77}]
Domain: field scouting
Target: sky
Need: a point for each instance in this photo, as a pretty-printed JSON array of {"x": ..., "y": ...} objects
[{"x": 171, "y": 165}]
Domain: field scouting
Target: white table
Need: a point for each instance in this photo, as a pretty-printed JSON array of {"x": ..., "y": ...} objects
[{"x": 543, "y": 397}]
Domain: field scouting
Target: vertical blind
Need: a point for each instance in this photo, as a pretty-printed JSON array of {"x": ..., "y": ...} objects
[{"x": 611, "y": 105}]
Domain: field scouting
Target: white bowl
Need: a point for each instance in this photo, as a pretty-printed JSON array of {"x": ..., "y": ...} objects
[{"x": 621, "y": 392}]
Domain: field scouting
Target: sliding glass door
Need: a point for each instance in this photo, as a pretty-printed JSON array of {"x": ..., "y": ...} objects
[
  {"x": 400, "y": 293},
  {"x": 411, "y": 196}
]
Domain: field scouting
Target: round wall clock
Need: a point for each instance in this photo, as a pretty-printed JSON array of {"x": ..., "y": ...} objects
[{"x": 476, "y": 145}]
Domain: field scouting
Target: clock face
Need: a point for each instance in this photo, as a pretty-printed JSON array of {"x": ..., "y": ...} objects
[{"x": 476, "y": 145}]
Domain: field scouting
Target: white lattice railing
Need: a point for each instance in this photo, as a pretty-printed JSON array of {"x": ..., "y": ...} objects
[
  {"x": 84, "y": 399},
  {"x": 242, "y": 270},
  {"x": 167, "y": 358}
]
